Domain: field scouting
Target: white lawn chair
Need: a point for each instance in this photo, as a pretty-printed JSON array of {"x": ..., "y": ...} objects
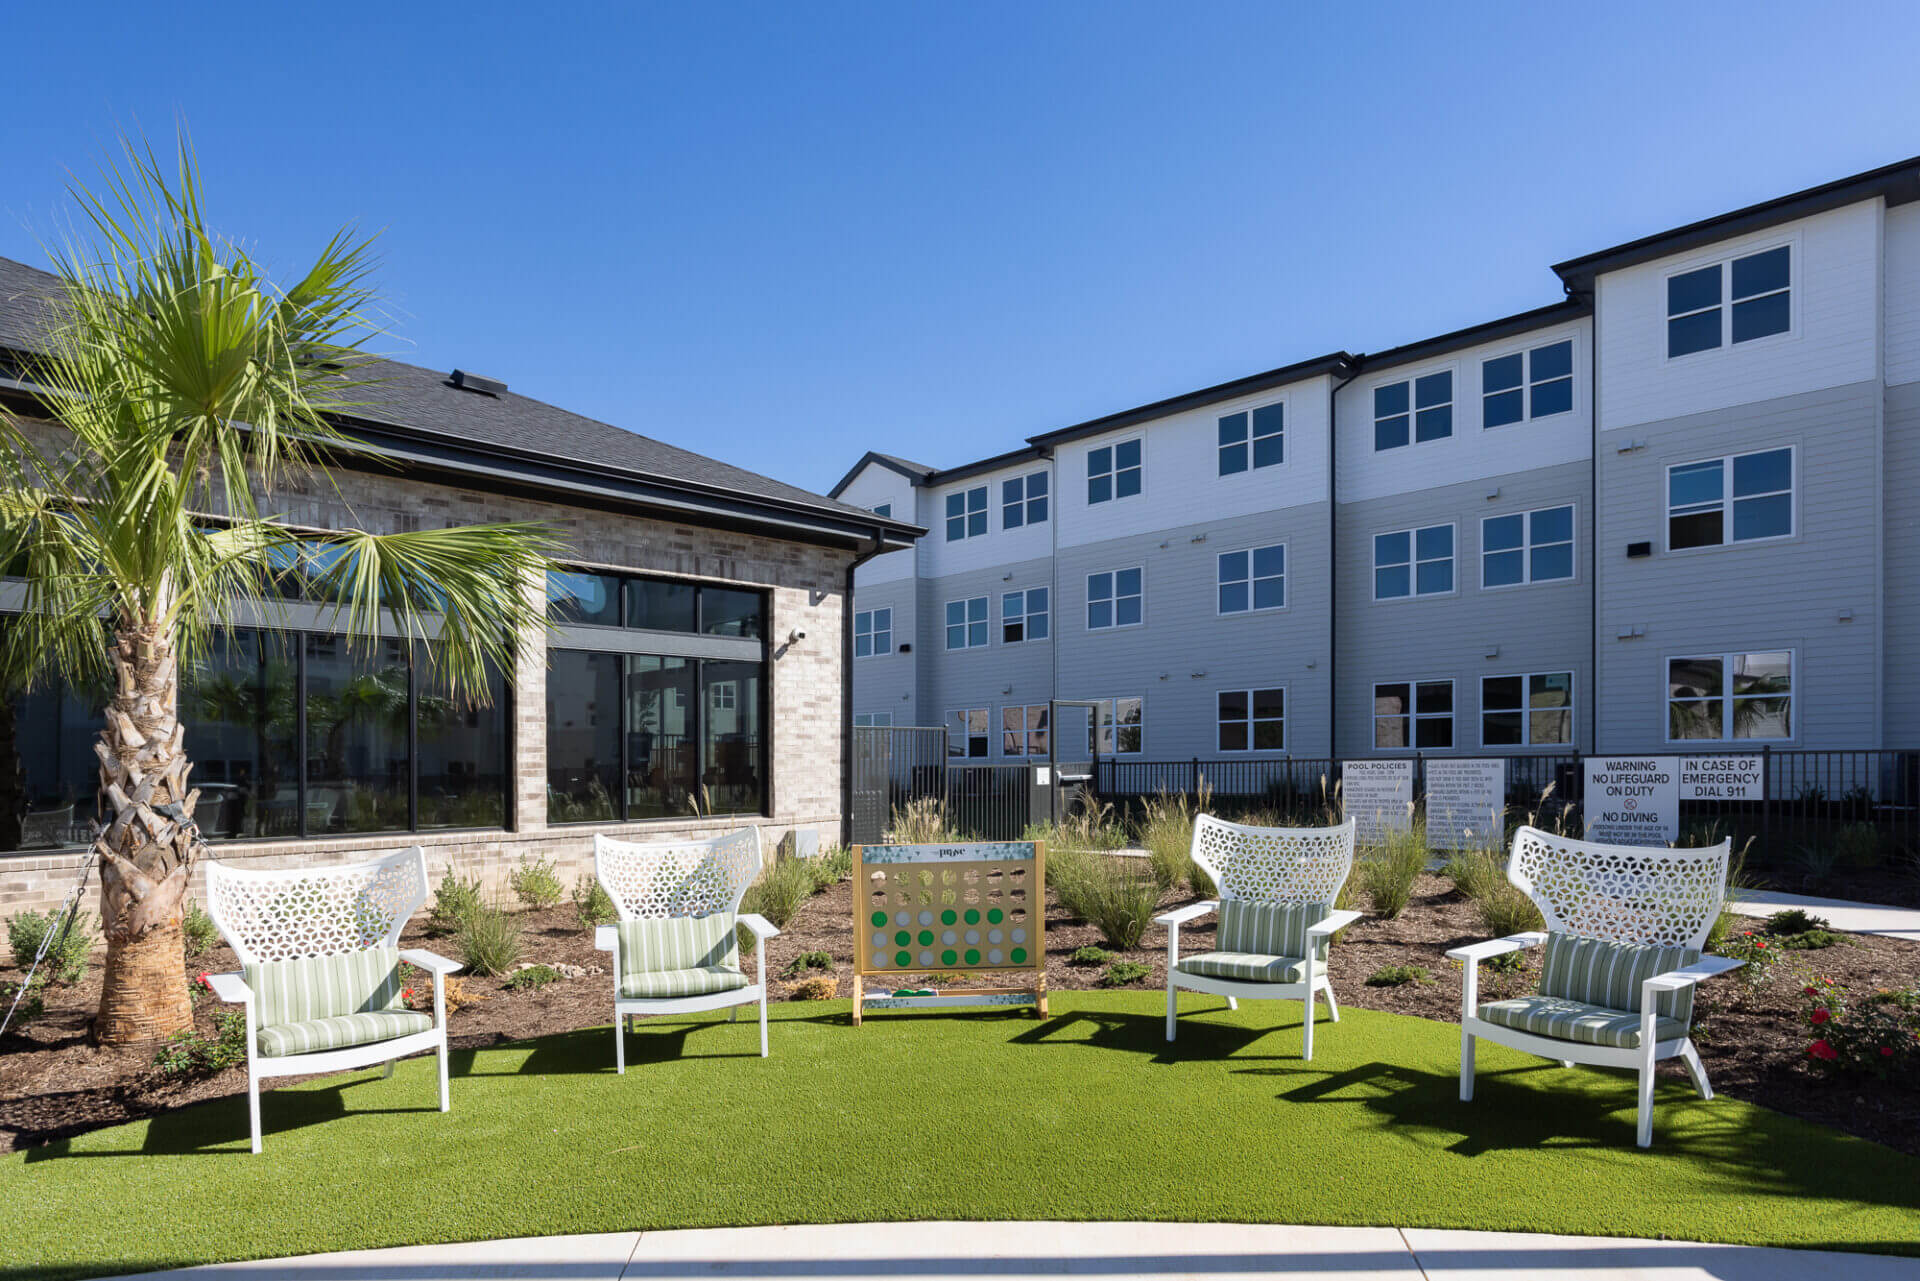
[
  {"x": 320, "y": 967},
  {"x": 674, "y": 948},
  {"x": 1625, "y": 925},
  {"x": 1277, "y": 886}
]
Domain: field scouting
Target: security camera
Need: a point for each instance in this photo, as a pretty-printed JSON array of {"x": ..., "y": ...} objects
[{"x": 797, "y": 635}]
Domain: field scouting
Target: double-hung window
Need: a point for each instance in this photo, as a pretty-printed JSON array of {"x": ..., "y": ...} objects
[
  {"x": 1113, "y": 471},
  {"x": 872, "y": 632},
  {"x": 1730, "y": 500},
  {"x": 1023, "y": 730},
  {"x": 1252, "y": 720},
  {"x": 1412, "y": 714},
  {"x": 1526, "y": 547},
  {"x": 1023, "y": 616},
  {"x": 967, "y": 732},
  {"x": 967, "y": 623},
  {"x": 967, "y": 514},
  {"x": 1730, "y": 302},
  {"x": 1253, "y": 438},
  {"x": 1420, "y": 409},
  {"x": 1255, "y": 578},
  {"x": 1023, "y": 500},
  {"x": 1116, "y": 727},
  {"x": 1730, "y": 696},
  {"x": 1413, "y": 562},
  {"x": 1114, "y": 599},
  {"x": 1527, "y": 384},
  {"x": 1534, "y": 709}
]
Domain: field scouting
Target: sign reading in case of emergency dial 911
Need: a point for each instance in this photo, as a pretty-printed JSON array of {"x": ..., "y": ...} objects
[{"x": 948, "y": 909}]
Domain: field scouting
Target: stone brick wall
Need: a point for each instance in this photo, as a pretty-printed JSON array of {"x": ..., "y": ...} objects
[{"x": 806, "y": 586}]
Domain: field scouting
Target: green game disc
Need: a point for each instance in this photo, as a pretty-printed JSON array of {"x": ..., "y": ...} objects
[
  {"x": 947, "y": 957},
  {"x": 973, "y": 916},
  {"x": 993, "y": 916},
  {"x": 973, "y": 956},
  {"x": 902, "y": 937},
  {"x": 903, "y": 958},
  {"x": 947, "y": 917},
  {"x": 1018, "y": 954},
  {"x": 926, "y": 937},
  {"x": 879, "y": 918}
]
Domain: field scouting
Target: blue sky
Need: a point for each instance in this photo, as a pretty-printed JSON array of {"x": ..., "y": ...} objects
[{"x": 784, "y": 234}]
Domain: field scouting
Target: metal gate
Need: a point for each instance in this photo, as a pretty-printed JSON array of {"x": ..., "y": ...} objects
[{"x": 891, "y": 766}]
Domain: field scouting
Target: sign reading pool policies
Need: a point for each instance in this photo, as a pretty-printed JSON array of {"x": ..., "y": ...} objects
[
  {"x": 1378, "y": 796},
  {"x": 1632, "y": 800},
  {"x": 1466, "y": 803}
]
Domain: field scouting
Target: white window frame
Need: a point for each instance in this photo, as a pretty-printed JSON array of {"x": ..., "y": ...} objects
[
  {"x": 1250, "y": 721},
  {"x": 1726, "y": 697},
  {"x": 1528, "y": 382},
  {"x": 1025, "y": 729},
  {"x": 872, "y": 631},
  {"x": 1527, "y": 546},
  {"x": 1414, "y": 407},
  {"x": 1102, "y": 717},
  {"x": 1027, "y": 500},
  {"x": 1250, "y": 580},
  {"x": 1114, "y": 600},
  {"x": 967, "y": 622},
  {"x": 1114, "y": 471},
  {"x": 1413, "y": 715},
  {"x": 1724, "y": 261},
  {"x": 967, "y": 734},
  {"x": 1026, "y": 615},
  {"x": 1250, "y": 441},
  {"x": 1413, "y": 562},
  {"x": 1526, "y": 709},
  {"x": 873, "y": 720},
  {"x": 967, "y": 512},
  {"x": 1727, "y": 501}
]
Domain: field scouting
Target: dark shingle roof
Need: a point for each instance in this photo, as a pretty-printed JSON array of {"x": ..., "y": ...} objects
[{"x": 424, "y": 400}]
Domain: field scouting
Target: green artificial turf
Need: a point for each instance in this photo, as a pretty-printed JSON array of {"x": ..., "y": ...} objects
[{"x": 1088, "y": 1114}]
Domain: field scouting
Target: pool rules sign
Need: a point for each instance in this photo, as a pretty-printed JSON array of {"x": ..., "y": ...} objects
[{"x": 1632, "y": 800}]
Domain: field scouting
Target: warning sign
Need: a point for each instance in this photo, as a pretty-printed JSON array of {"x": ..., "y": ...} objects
[
  {"x": 1632, "y": 800},
  {"x": 1723, "y": 778}
]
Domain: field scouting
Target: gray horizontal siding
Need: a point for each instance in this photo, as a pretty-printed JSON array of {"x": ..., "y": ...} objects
[{"x": 1901, "y": 489}]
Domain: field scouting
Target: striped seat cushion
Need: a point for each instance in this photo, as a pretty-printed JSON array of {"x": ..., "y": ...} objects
[
  {"x": 323, "y": 989},
  {"x": 1270, "y": 929},
  {"x": 657, "y": 985},
  {"x": 313, "y": 1035},
  {"x": 1565, "y": 1020},
  {"x": 1609, "y": 975},
  {"x": 1248, "y": 967}
]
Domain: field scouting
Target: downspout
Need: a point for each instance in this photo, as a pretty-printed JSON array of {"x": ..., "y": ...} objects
[
  {"x": 846, "y": 689},
  {"x": 1593, "y": 515},
  {"x": 1333, "y": 560}
]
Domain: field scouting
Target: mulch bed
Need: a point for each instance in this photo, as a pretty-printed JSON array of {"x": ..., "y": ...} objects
[{"x": 54, "y": 1083}]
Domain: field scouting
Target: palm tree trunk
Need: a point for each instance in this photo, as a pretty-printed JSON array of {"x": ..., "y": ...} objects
[{"x": 146, "y": 845}]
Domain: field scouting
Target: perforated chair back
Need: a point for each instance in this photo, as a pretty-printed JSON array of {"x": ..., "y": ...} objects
[
  {"x": 1621, "y": 893},
  {"x": 664, "y": 880},
  {"x": 287, "y": 914},
  {"x": 1274, "y": 864}
]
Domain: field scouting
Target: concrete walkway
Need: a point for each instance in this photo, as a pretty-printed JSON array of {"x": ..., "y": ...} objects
[
  {"x": 1109, "y": 1250},
  {"x": 1854, "y": 918}
]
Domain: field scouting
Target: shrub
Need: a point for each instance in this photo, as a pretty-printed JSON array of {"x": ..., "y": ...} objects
[
  {"x": 1165, "y": 830},
  {"x": 489, "y": 940},
  {"x": 921, "y": 822},
  {"x": 1475, "y": 872},
  {"x": 189, "y": 1053},
  {"x": 32, "y": 1004},
  {"x": 806, "y": 961},
  {"x": 531, "y": 979},
  {"x": 536, "y": 884},
  {"x": 1759, "y": 954},
  {"x": 1857, "y": 845},
  {"x": 831, "y": 868},
  {"x": 455, "y": 900},
  {"x": 1091, "y": 955},
  {"x": 1387, "y": 871},
  {"x": 198, "y": 929},
  {"x": 1812, "y": 941},
  {"x": 1505, "y": 910},
  {"x": 592, "y": 903},
  {"x": 1396, "y": 975},
  {"x": 1795, "y": 921},
  {"x": 67, "y": 953},
  {"x": 814, "y": 989},
  {"x": 1115, "y": 895},
  {"x": 944, "y": 978},
  {"x": 1121, "y": 973},
  {"x": 1877, "y": 1035}
]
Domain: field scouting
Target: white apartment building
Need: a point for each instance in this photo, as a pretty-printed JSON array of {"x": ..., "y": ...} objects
[{"x": 1681, "y": 505}]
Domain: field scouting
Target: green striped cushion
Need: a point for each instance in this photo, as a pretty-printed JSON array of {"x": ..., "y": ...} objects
[
  {"x": 658, "y": 985},
  {"x": 314, "y": 1035},
  {"x": 1248, "y": 967},
  {"x": 1566, "y": 1020},
  {"x": 324, "y": 987},
  {"x": 1271, "y": 929},
  {"x": 678, "y": 943},
  {"x": 1609, "y": 975}
]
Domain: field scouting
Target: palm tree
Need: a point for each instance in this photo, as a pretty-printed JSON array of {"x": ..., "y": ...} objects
[{"x": 187, "y": 388}]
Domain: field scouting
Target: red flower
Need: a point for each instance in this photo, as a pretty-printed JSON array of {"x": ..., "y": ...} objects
[
  {"x": 1886, "y": 1051},
  {"x": 1761, "y": 943},
  {"x": 1811, "y": 991},
  {"x": 204, "y": 981},
  {"x": 406, "y": 994},
  {"x": 1821, "y": 1050},
  {"x": 1818, "y": 1017}
]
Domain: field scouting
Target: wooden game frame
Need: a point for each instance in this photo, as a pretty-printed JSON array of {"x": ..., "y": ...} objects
[{"x": 954, "y": 883}]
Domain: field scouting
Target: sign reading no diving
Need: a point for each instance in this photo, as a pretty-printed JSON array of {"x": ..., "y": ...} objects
[{"x": 1632, "y": 800}]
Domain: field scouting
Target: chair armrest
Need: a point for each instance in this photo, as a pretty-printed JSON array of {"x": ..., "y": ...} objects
[
  {"x": 1181, "y": 915},
  {"x": 1337, "y": 921},
  {"x": 1474, "y": 952},
  {"x": 230, "y": 988},
  {"x": 432, "y": 962},
  {"x": 760, "y": 925},
  {"x": 606, "y": 937},
  {"x": 1704, "y": 968}
]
